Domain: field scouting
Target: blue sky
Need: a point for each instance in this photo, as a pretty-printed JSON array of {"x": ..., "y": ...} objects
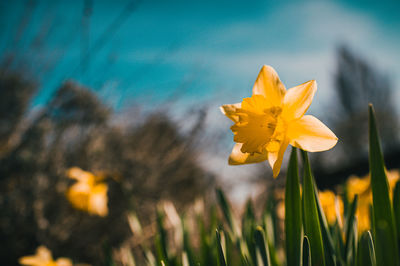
[{"x": 200, "y": 50}]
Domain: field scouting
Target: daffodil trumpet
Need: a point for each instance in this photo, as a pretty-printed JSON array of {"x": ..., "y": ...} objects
[{"x": 272, "y": 118}]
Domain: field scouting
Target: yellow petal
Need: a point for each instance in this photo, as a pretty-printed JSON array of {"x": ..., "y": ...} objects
[
  {"x": 80, "y": 175},
  {"x": 237, "y": 157},
  {"x": 78, "y": 196},
  {"x": 63, "y": 262},
  {"x": 275, "y": 158},
  {"x": 310, "y": 134},
  {"x": 98, "y": 200},
  {"x": 230, "y": 111},
  {"x": 270, "y": 86},
  {"x": 298, "y": 99},
  {"x": 42, "y": 257},
  {"x": 32, "y": 261},
  {"x": 272, "y": 157}
]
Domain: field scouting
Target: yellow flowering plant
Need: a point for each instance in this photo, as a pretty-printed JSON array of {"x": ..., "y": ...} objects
[
  {"x": 88, "y": 193},
  {"x": 272, "y": 118},
  {"x": 43, "y": 257},
  {"x": 362, "y": 187},
  {"x": 332, "y": 205}
]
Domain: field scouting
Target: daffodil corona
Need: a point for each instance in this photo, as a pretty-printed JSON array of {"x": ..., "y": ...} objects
[{"x": 272, "y": 118}]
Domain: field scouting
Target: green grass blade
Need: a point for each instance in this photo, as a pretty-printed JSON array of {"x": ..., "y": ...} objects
[
  {"x": 161, "y": 239},
  {"x": 312, "y": 227},
  {"x": 339, "y": 244},
  {"x": 293, "y": 225},
  {"x": 270, "y": 230},
  {"x": 366, "y": 251},
  {"x": 262, "y": 246},
  {"x": 108, "y": 256},
  {"x": 386, "y": 238},
  {"x": 248, "y": 227},
  {"x": 221, "y": 256},
  {"x": 350, "y": 228},
  {"x": 206, "y": 250},
  {"x": 306, "y": 260},
  {"x": 329, "y": 253},
  {"x": 188, "y": 251},
  {"x": 396, "y": 207},
  {"x": 227, "y": 212}
]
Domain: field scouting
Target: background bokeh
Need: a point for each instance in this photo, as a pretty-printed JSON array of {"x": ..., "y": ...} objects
[{"x": 131, "y": 89}]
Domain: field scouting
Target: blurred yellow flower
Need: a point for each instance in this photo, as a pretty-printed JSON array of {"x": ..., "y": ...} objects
[
  {"x": 362, "y": 187},
  {"x": 272, "y": 118},
  {"x": 43, "y": 257},
  {"x": 332, "y": 205},
  {"x": 88, "y": 193}
]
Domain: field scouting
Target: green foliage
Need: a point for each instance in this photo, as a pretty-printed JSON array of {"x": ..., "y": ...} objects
[
  {"x": 309, "y": 238},
  {"x": 384, "y": 223},
  {"x": 366, "y": 251},
  {"x": 218, "y": 236},
  {"x": 293, "y": 225},
  {"x": 312, "y": 227}
]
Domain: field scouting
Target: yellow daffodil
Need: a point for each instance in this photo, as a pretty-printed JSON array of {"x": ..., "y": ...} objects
[
  {"x": 362, "y": 187},
  {"x": 88, "y": 193},
  {"x": 332, "y": 205},
  {"x": 272, "y": 118},
  {"x": 43, "y": 257}
]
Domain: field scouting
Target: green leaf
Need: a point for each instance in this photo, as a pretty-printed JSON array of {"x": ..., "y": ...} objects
[
  {"x": 312, "y": 227},
  {"x": 366, "y": 251},
  {"x": 262, "y": 246},
  {"x": 351, "y": 235},
  {"x": 329, "y": 254},
  {"x": 221, "y": 256},
  {"x": 226, "y": 210},
  {"x": 386, "y": 238},
  {"x": 306, "y": 261},
  {"x": 188, "y": 251},
  {"x": 396, "y": 207},
  {"x": 339, "y": 244},
  {"x": 293, "y": 225},
  {"x": 161, "y": 240},
  {"x": 269, "y": 223},
  {"x": 108, "y": 256},
  {"x": 248, "y": 227},
  {"x": 206, "y": 250}
]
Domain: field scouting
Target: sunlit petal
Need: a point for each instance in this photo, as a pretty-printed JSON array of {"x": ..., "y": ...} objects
[
  {"x": 310, "y": 134},
  {"x": 32, "y": 260},
  {"x": 98, "y": 200},
  {"x": 279, "y": 158},
  {"x": 298, "y": 99},
  {"x": 230, "y": 111},
  {"x": 270, "y": 86},
  {"x": 237, "y": 157},
  {"x": 80, "y": 175},
  {"x": 42, "y": 257},
  {"x": 272, "y": 157},
  {"x": 63, "y": 262}
]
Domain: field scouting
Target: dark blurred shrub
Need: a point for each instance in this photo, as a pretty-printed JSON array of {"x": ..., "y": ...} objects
[
  {"x": 357, "y": 84},
  {"x": 145, "y": 163}
]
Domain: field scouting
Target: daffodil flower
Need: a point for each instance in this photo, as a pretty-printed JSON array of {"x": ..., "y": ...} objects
[
  {"x": 362, "y": 188},
  {"x": 332, "y": 205},
  {"x": 43, "y": 257},
  {"x": 88, "y": 193},
  {"x": 272, "y": 118}
]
